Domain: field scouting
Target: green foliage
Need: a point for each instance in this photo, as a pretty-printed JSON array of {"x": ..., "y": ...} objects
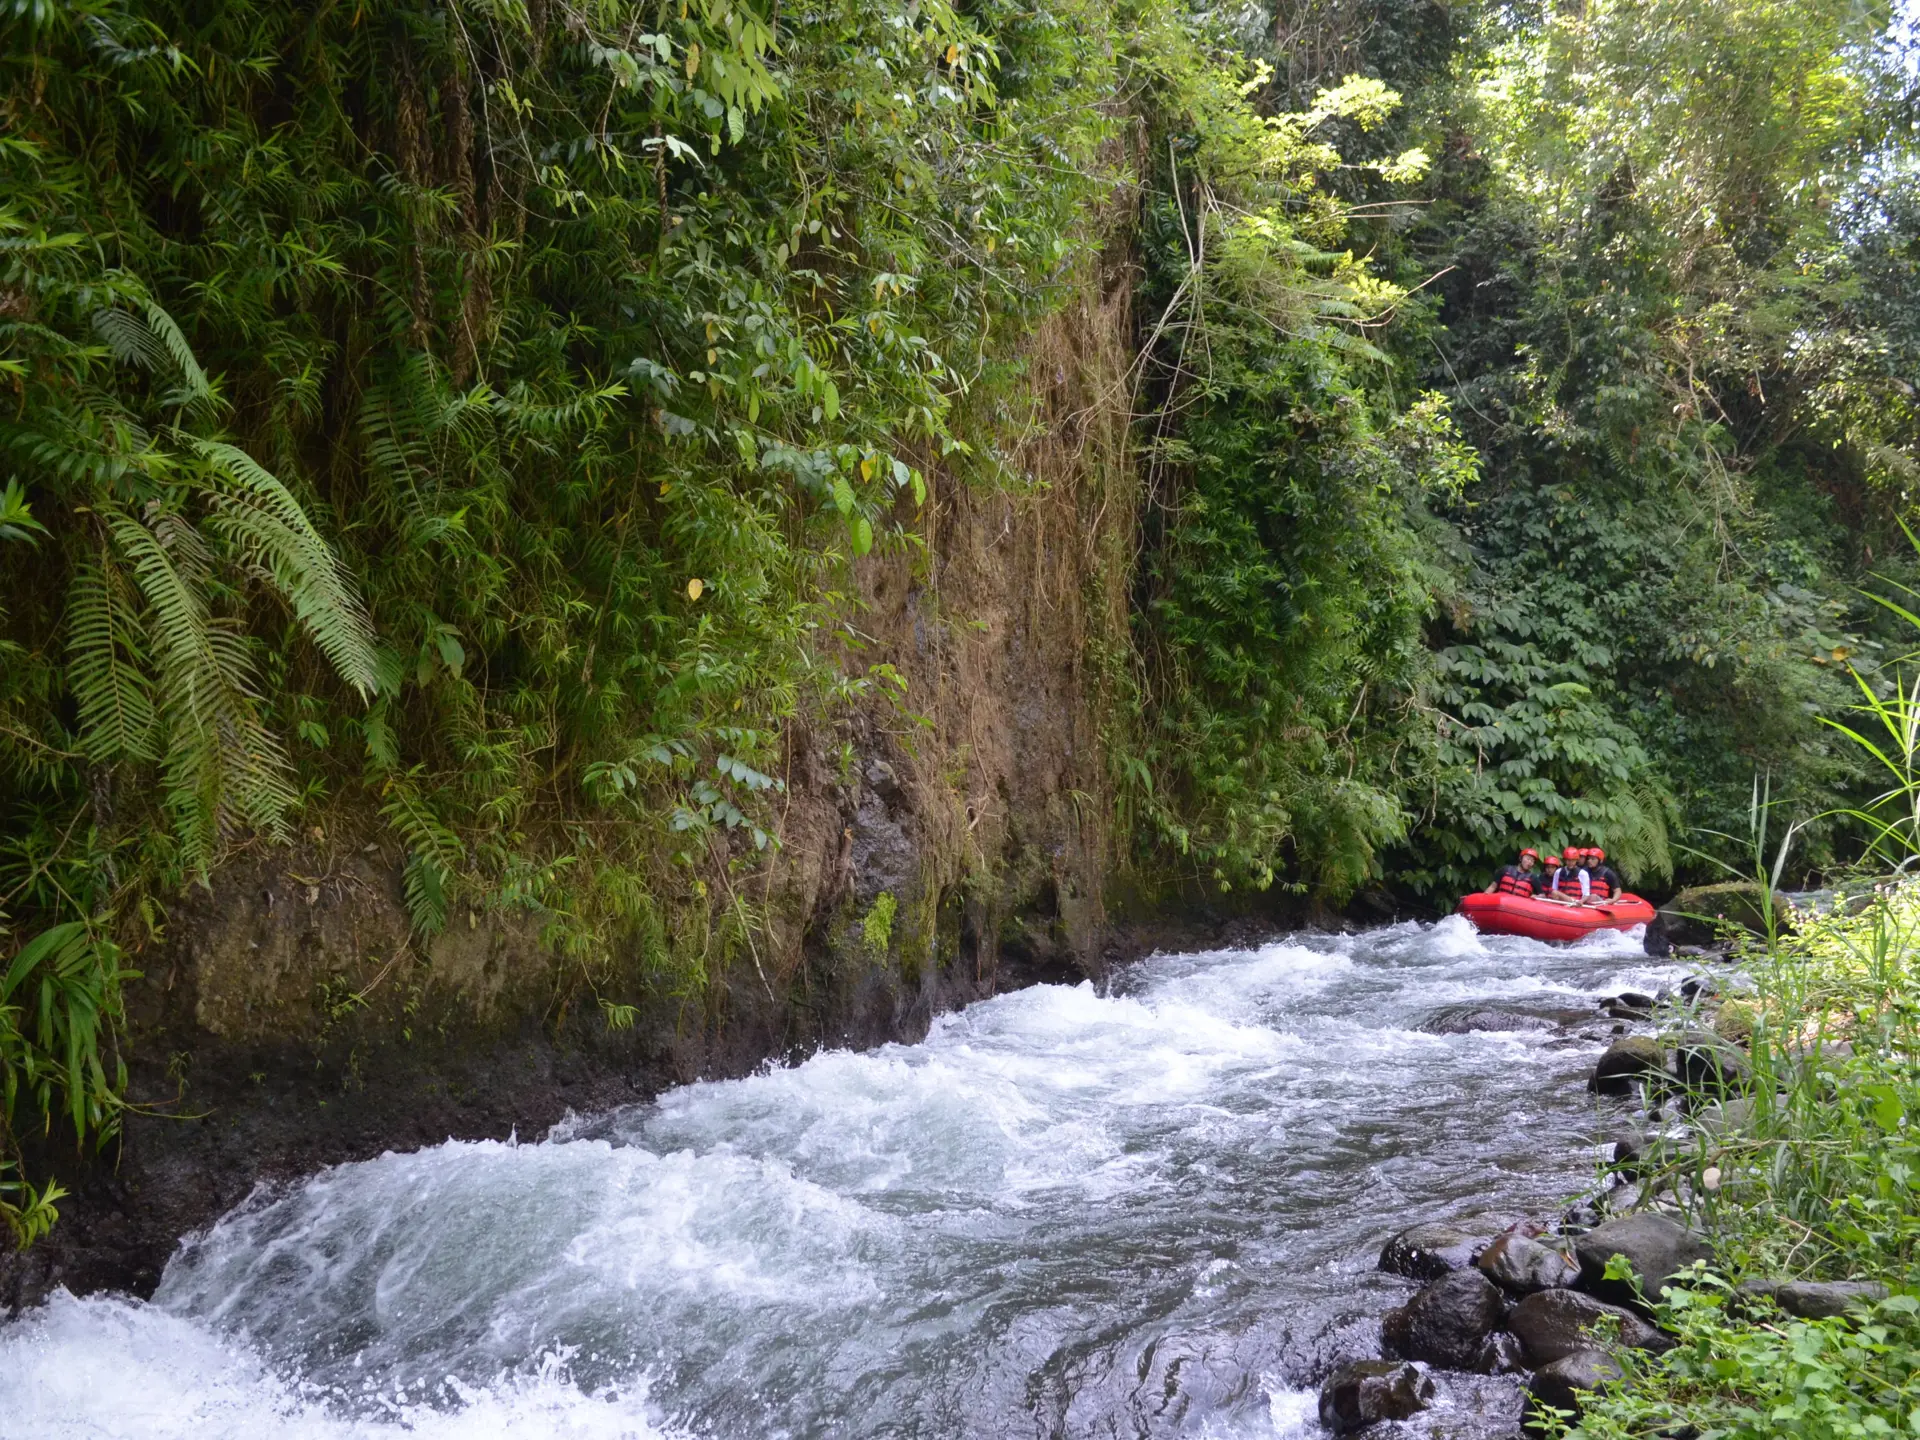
[
  {"x": 1284, "y": 585},
  {"x": 454, "y": 420},
  {"x": 876, "y": 929},
  {"x": 1645, "y": 266}
]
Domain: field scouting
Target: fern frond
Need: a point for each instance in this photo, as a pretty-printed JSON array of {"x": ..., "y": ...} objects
[
  {"x": 261, "y": 515},
  {"x": 435, "y": 854},
  {"x": 221, "y": 766},
  {"x": 107, "y": 667},
  {"x": 154, "y": 341}
]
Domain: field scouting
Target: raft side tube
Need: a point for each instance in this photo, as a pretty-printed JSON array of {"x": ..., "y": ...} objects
[{"x": 1551, "y": 919}]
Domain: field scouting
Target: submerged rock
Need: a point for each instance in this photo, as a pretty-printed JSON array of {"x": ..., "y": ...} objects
[
  {"x": 1656, "y": 1247},
  {"x": 1426, "y": 1252},
  {"x": 1369, "y": 1391},
  {"x": 1816, "y": 1299},
  {"x": 1628, "y": 1060},
  {"x": 1554, "y": 1324},
  {"x": 1466, "y": 1019},
  {"x": 1523, "y": 1265},
  {"x": 1445, "y": 1323},
  {"x": 1560, "y": 1385}
]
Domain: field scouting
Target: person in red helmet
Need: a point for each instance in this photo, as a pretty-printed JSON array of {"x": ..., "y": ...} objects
[
  {"x": 1570, "y": 880},
  {"x": 1606, "y": 883},
  {"x": 1522, "y": 879}
]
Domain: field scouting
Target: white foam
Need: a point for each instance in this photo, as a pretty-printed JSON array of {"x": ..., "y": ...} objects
[
  {"x": 110, "y": 1369},
  {"x": 853, "y": 1241}
]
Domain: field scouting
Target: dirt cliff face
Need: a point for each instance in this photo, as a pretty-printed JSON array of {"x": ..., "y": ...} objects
[{"x": 932, "y": 850}]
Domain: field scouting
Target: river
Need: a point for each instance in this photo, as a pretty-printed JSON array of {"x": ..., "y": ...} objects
[{"x": 1148, "y": 1210}]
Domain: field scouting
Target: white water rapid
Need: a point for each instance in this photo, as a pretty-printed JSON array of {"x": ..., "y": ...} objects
[{"x": 1150, "y": 1212}]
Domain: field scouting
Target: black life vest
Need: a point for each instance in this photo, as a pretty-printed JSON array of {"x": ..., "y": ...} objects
[
  {"x": 1605, "y": 883},
  {"x": 1515, "y": 881}
]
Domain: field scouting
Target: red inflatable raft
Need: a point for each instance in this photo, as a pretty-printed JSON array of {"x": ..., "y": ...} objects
[{"x": 1551, "y": 919}]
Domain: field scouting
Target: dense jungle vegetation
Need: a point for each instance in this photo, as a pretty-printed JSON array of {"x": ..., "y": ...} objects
[{"x": 462, "y": 419}]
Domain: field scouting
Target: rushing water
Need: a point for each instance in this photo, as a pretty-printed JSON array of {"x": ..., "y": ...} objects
[{"x": 1153, "y": 1211}]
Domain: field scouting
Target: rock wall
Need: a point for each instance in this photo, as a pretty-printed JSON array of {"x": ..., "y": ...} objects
[{"x": 932, "y": 850}]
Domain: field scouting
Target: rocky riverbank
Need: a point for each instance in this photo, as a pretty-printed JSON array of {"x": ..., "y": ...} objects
[{"x": 1555, "y": 1302}]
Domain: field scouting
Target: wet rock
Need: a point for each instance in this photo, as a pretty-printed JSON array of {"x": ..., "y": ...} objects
[
  {"x": 1625, "y": 1155},
  {"x": 1629, "y": 1005},
  {"x": 1554, "y": 1324},
  {"x": 1710, "y": 1063},
  {"x": 1581, "y": 1218},
  {"x": 1426, "y": 1252},
  {"x": 1626, "y": 1062},
  {"x": 1727, "y": 1117},
  {"x": 1521, "y": 1264},
  {"x": 1816, "y": 1299},
  {"x": 1696, "y": 915},
  {"x": 1369, "y": 1391},
  {"x": 1656, "y": 941},
  {"x": 1466, "y": 1019},
  {"x": 1560, "y": 1385},
  {"x": 1445, "y": 1323},
  {"x": 1698, "y": 987},
  {"x": 1656, "y": 1247},
  {"x": 1500, "y": 1354}
]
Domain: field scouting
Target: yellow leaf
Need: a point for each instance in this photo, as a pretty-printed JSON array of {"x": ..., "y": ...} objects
[
  {"x": 665, "y": 485},
  {"x": 709, "y": 332},
  {"x": 713, "y": 356},
  {"x": 695, "y": 588},
  {"x": 693, "y": 60},
  {"x": 953, "y": 53},
  {"x": 867, "y": 467}
]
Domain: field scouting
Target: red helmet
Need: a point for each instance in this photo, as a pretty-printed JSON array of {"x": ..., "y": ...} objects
[
  {"x": 1598, "y": 857},
  {"x": 1549, "y": 859},
  {"x": 1529, "y": 851}
]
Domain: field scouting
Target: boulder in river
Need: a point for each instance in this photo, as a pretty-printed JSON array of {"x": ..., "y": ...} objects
[
  {"x": 1426, "y": 1252},
  {"x": 1710, "y": 1064},
  {"x": 1816, "y": 1299},
  {"x": 1656, "y": 1247},
  {"x": 1695, "y": 915},
  {"x": 1627, "y": 1061},
  {"x": 1445, "y": 1323},
  {"x": 1554, "y": 1324},
  {"x": 1521, "y": 1264},
  {"x": 1370, "y": 1391},
  {"x": 1467, "y": 1019},
  {"x": 1560, "y": 1385}
]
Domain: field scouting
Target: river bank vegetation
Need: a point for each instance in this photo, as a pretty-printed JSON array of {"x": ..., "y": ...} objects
[
  {"x": 1809, "y": 1176},
  {"x": 461, "y": 426}
]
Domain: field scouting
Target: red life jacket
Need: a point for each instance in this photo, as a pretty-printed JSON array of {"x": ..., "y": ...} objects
[
  {"x": 1602, "y": 888},
  {"x": 1566, "y": 881},
  {"x": 1514, "y": 881}
]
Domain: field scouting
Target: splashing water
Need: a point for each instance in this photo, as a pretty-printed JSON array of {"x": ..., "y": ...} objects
[{"x": 1154, "y": 1211}]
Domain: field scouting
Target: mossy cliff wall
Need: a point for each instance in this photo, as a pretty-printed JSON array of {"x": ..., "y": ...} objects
[{"x": 931, "y": 850}]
